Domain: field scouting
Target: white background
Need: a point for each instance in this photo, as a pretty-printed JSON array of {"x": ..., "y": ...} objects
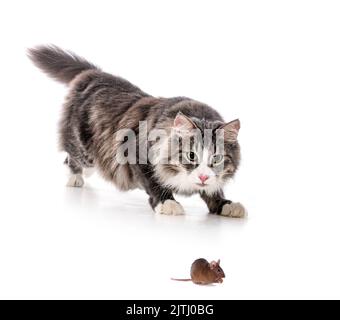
[{"x": 273, "y": 64}]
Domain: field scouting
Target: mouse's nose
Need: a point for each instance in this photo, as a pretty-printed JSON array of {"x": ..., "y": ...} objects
[{"x": 203, "y": 177}]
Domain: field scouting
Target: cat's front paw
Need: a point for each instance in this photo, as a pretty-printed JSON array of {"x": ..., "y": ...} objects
[
  {"x": 234, "y": 210},
  {"x": 169, "y": 207},
  {"x": 75, "y": 180}
]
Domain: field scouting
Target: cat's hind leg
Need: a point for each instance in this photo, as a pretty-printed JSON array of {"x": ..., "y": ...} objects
[{"x": 76, "y": 173}]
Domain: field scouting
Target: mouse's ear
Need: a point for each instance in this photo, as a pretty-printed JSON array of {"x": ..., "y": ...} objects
[
  {"x": 218, "y": 261},
  {"x": 213, "y": 264}
]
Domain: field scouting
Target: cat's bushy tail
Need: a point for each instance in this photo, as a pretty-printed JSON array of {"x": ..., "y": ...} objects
[{"x": 59, "y": 64}]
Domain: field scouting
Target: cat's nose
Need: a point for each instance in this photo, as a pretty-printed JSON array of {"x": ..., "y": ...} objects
[{"x": 203, "y": 177}]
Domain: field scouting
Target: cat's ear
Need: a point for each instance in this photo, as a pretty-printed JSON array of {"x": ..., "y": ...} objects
[
  {"x": 231, "y": 130},
  {"x": 183, "y": 122}
]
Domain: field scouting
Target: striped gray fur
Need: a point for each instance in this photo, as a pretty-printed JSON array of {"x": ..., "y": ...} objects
[{"x": 99, "y": 104}]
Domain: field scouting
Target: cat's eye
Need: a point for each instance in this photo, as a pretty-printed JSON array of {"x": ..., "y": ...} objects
[
  {"x": 217, "y": 159},
  {"x": 192, "y": 156}
]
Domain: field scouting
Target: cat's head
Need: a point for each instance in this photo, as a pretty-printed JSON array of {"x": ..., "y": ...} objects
[{"x": 198, "y": 155}]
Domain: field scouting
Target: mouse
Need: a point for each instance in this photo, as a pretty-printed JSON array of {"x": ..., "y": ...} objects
[{"x": 204, "y": 272}]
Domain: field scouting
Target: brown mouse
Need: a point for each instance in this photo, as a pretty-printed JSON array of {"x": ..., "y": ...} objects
[{"x": 203, "y": 272}]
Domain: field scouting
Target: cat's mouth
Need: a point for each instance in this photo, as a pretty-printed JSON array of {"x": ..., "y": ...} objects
[{"x": 202, "y": 185}]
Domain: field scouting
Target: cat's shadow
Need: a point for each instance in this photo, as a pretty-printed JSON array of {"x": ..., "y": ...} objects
[{"x": 129, "y": 205}]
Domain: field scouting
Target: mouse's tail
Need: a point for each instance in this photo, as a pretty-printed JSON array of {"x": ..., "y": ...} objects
[
  {"x": 181, "y": 279},
  {"x": 59, "y": 64}
]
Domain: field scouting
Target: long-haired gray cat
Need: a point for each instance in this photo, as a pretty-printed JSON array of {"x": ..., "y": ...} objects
[{"x": 100, "y": 106}]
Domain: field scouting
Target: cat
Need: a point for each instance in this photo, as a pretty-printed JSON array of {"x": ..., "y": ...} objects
[{"x": 100, "y": 107}]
